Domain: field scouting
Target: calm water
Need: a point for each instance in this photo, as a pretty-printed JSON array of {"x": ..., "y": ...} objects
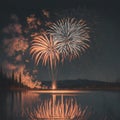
[{"x": 93, "y": 105}]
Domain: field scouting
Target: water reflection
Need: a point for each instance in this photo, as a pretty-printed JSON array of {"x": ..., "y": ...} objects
[
  {"x": 58, "y": 108},
  {"x": 38, "y": 106},
  {"x": 12, "y": 104}
]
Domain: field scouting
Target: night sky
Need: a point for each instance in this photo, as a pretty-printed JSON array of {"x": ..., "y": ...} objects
[{"x": 100, "y": 62}]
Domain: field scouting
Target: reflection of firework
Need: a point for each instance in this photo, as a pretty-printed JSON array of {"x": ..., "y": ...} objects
[
  {"x": 72, "y": 36},
  {"x": 44, "y": 48},
  {"x": 59, "y": 110}
]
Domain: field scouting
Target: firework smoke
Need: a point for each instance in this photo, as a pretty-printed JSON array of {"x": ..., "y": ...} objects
[{"x": 15, "y": 45}]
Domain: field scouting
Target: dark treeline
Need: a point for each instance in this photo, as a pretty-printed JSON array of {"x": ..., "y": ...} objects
[{"x": 10, "y": 82}]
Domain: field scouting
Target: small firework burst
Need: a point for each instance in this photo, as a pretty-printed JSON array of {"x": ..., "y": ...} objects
[
  {"x": 72, "y": 36},
  {"x": 45, "y": 49}
]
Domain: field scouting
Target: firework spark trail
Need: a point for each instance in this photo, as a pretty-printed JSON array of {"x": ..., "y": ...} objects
[
  {"x": 45, "y": 49},
  {"x": 72, "y": 36}
]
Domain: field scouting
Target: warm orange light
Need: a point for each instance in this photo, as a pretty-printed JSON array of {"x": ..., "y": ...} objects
[
  {"x": 59, "y": 109},
  {"x": 45, "y": 49},
  {"x": 54, "y": 86}
]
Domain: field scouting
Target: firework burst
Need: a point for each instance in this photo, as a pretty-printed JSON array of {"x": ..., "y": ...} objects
[
  {"x": 72, "y": 35},
  {"x": 45, "y": 49}
]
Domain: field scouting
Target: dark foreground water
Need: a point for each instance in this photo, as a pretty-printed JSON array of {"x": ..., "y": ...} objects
[{"x": 91, "y": 105}]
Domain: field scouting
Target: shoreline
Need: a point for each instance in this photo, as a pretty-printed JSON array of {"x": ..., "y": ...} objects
[{"x": 66, "y": 90}]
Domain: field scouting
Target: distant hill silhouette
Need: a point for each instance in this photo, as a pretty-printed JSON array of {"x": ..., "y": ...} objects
[
  {"x": 11, "y": 82},
  {"x": 82, "y": 83}
]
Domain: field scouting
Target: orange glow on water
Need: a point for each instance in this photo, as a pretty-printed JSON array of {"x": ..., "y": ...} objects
[
  {"x": 59, "y": 109},
  {"x": 47, "y": 91}
]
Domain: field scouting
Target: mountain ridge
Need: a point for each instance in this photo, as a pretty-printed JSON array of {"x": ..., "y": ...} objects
[{"x": 82, "y": 83}]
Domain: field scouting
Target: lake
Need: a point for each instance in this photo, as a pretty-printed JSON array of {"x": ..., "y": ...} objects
[{"x": 84, "y": 105}]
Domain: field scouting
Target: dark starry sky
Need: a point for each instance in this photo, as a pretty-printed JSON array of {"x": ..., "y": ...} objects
[{"x": 102, "y": 59}]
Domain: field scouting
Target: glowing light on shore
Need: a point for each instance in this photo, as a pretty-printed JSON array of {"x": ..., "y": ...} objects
[
  {"x": 72, "y": 35},
  {"x": 54, "y": 85}
]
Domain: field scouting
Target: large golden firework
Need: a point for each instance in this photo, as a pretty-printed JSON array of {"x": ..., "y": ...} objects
[{"x": 45, "y": 49}]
